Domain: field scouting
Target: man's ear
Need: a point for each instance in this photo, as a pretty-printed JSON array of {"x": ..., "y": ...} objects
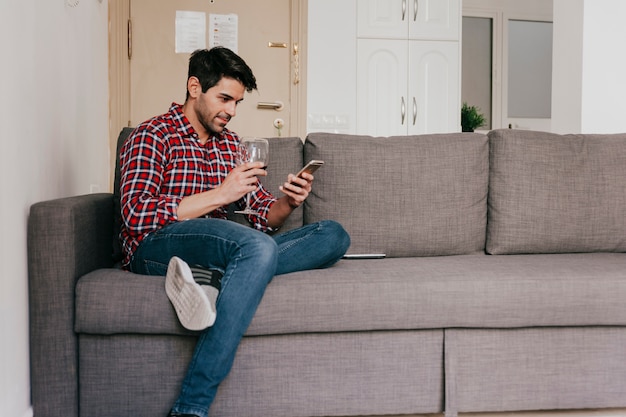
[{"x": 194, "y": 87}]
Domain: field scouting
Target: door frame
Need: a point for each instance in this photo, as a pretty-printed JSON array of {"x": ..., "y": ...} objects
[
  {"x": 298, "y": 115},
  {"x": 120, "y": 50},
  {"x": 119, "y": 73},
  {"x": 501, "y": 11}
]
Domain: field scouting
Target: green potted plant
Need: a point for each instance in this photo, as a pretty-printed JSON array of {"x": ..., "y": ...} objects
[{"x": 471, "y": 118}]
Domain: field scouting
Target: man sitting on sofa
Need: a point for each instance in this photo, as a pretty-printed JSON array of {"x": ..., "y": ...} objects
[{"x": 179, "y": 173}]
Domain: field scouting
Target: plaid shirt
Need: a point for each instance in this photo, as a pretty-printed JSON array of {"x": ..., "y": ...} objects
[{"x": 163, "y": 161}]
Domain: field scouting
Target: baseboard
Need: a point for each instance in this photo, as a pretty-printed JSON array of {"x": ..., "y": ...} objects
[{"x": 606, "y": 412}]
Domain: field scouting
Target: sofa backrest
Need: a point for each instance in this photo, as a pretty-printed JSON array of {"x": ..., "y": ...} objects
[
  {"x": 552, "y": 193},
  {"x": 285, "y": 158},
  {"x": 420, "y": 195},
  {"x": 117, "y": 221}
]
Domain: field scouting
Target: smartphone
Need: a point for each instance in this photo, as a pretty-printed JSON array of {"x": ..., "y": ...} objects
[{"x": 311, "y": 167}]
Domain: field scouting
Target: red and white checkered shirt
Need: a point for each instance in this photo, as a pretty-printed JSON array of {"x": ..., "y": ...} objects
[{"x": 163, "y": 161}]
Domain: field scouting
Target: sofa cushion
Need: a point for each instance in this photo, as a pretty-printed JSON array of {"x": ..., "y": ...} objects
[
  {"x": 404, "y": 196},
  {"x": 553, "y": 193},
  {"x": 117, "y": 210},
  {"x": 388, "y": 294},
  {"x": 285, "y": 158}
]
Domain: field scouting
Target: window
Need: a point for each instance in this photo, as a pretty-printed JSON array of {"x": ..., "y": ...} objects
[
  {"x": 506, "y": 62},
  {"x": 529, "y": 69},
  {"x": 476, "y": 83}
]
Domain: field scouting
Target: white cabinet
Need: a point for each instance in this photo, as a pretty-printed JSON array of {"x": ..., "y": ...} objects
[
  {"x": 382, "y": 87},
  {"x": 434, "y": 87},
  {"x": 409, "y": 19},
  {"x": 408, "y": 79}
]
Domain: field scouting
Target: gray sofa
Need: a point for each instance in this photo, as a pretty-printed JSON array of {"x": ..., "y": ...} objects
[{"x": 504, "y": 288}]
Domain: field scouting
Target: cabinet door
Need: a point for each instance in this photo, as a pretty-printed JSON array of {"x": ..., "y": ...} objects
[
  {"x": 409, "y": 19},
  {"x": 382, "y": 106},
  {"x": 434, "y": 19},
  {"x": 434, "y": 85},
  {"x": 386, "y": 19}
]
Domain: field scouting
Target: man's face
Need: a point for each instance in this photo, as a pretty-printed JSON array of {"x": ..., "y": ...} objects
[{"x": 218, "y": 104}]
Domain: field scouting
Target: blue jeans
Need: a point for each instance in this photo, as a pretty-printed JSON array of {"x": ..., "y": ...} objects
[{"x": 248, "y": 259}]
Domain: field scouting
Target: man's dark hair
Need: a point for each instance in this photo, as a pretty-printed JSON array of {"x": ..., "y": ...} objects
[{"x": 211, "y": 65}]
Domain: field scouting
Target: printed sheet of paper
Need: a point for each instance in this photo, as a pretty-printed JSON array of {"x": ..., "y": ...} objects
[
  {"x": 223, "y": 30},
  {"x": 190, "y": 31}
]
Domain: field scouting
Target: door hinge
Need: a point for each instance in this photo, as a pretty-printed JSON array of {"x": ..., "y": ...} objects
[
  {"x": 296, "y": 64},
  {"x": 130, "y": 39}
]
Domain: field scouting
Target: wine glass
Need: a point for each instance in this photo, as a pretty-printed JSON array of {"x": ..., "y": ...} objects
[{"x": 252, "y": 150}]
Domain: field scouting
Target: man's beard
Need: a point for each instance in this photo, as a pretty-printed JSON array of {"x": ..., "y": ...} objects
[{"x": 211, "y": 128}]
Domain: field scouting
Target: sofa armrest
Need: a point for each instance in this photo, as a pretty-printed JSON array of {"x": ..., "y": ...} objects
[{"x": 67, "y": 238}]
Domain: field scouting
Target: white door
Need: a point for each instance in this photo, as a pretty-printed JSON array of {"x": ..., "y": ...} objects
[
  {"x": 158, "y": 74},
  {"x": 433, "y": 87},
  {"x": 434, "y": 19},
  {"x": 382, "y": 19},
  {"x": 409, "y": 19},
  {"x": 407, "y": 87},
  {"x": 382, "y": 101}
]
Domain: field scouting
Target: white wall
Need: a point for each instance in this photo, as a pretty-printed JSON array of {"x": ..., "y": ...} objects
[
  {"x": 604, "y": 67},
  {"x": 331, "y": 60},
  {"x": 54, "y": 143},
  {"x": 54, "y": 119},
  {"x": 567, "y": 65},
  {"x": 589, "y": 66}
]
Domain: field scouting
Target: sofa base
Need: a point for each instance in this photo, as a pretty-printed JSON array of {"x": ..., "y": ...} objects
[
  {"x": 535, "y": 369},
  {"x": 301, "y": 375},
  {"x": 367, "y": 373}
]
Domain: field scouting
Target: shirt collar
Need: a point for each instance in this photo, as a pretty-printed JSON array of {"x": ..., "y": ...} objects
[{"x": 185, "y": 129}]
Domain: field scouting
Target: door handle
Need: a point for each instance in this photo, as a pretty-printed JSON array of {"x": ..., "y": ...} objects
[
  {"x": 403, "y": 9},
  {"x": 270, "y": 105},
  {"x": 414, "y": 111},
  {"x": 402, "y": 110},
  {"x": 415, "y": 7}
]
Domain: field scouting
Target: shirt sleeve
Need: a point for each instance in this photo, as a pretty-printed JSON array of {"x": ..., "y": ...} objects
[
  {"x": 261, "y": 201},
  {"x": 142, "y": 163}
]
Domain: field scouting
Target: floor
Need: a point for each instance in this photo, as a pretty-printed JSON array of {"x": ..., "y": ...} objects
[{"x": 580, "y": 413}]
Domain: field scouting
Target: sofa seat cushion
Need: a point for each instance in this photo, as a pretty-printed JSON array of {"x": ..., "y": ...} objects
[
  {"x": 552, "y": 193},
  {"x": 477, "y": 291},
  {"x": 422, "y": 195}
]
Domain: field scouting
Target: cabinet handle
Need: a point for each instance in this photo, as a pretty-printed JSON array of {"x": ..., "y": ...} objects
[
  {"x": 402, "y": 110},
  {"x": 403, "y": 9},
  {"x": 415, "y": 7},
  {"x": 414, "y": 111}
]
